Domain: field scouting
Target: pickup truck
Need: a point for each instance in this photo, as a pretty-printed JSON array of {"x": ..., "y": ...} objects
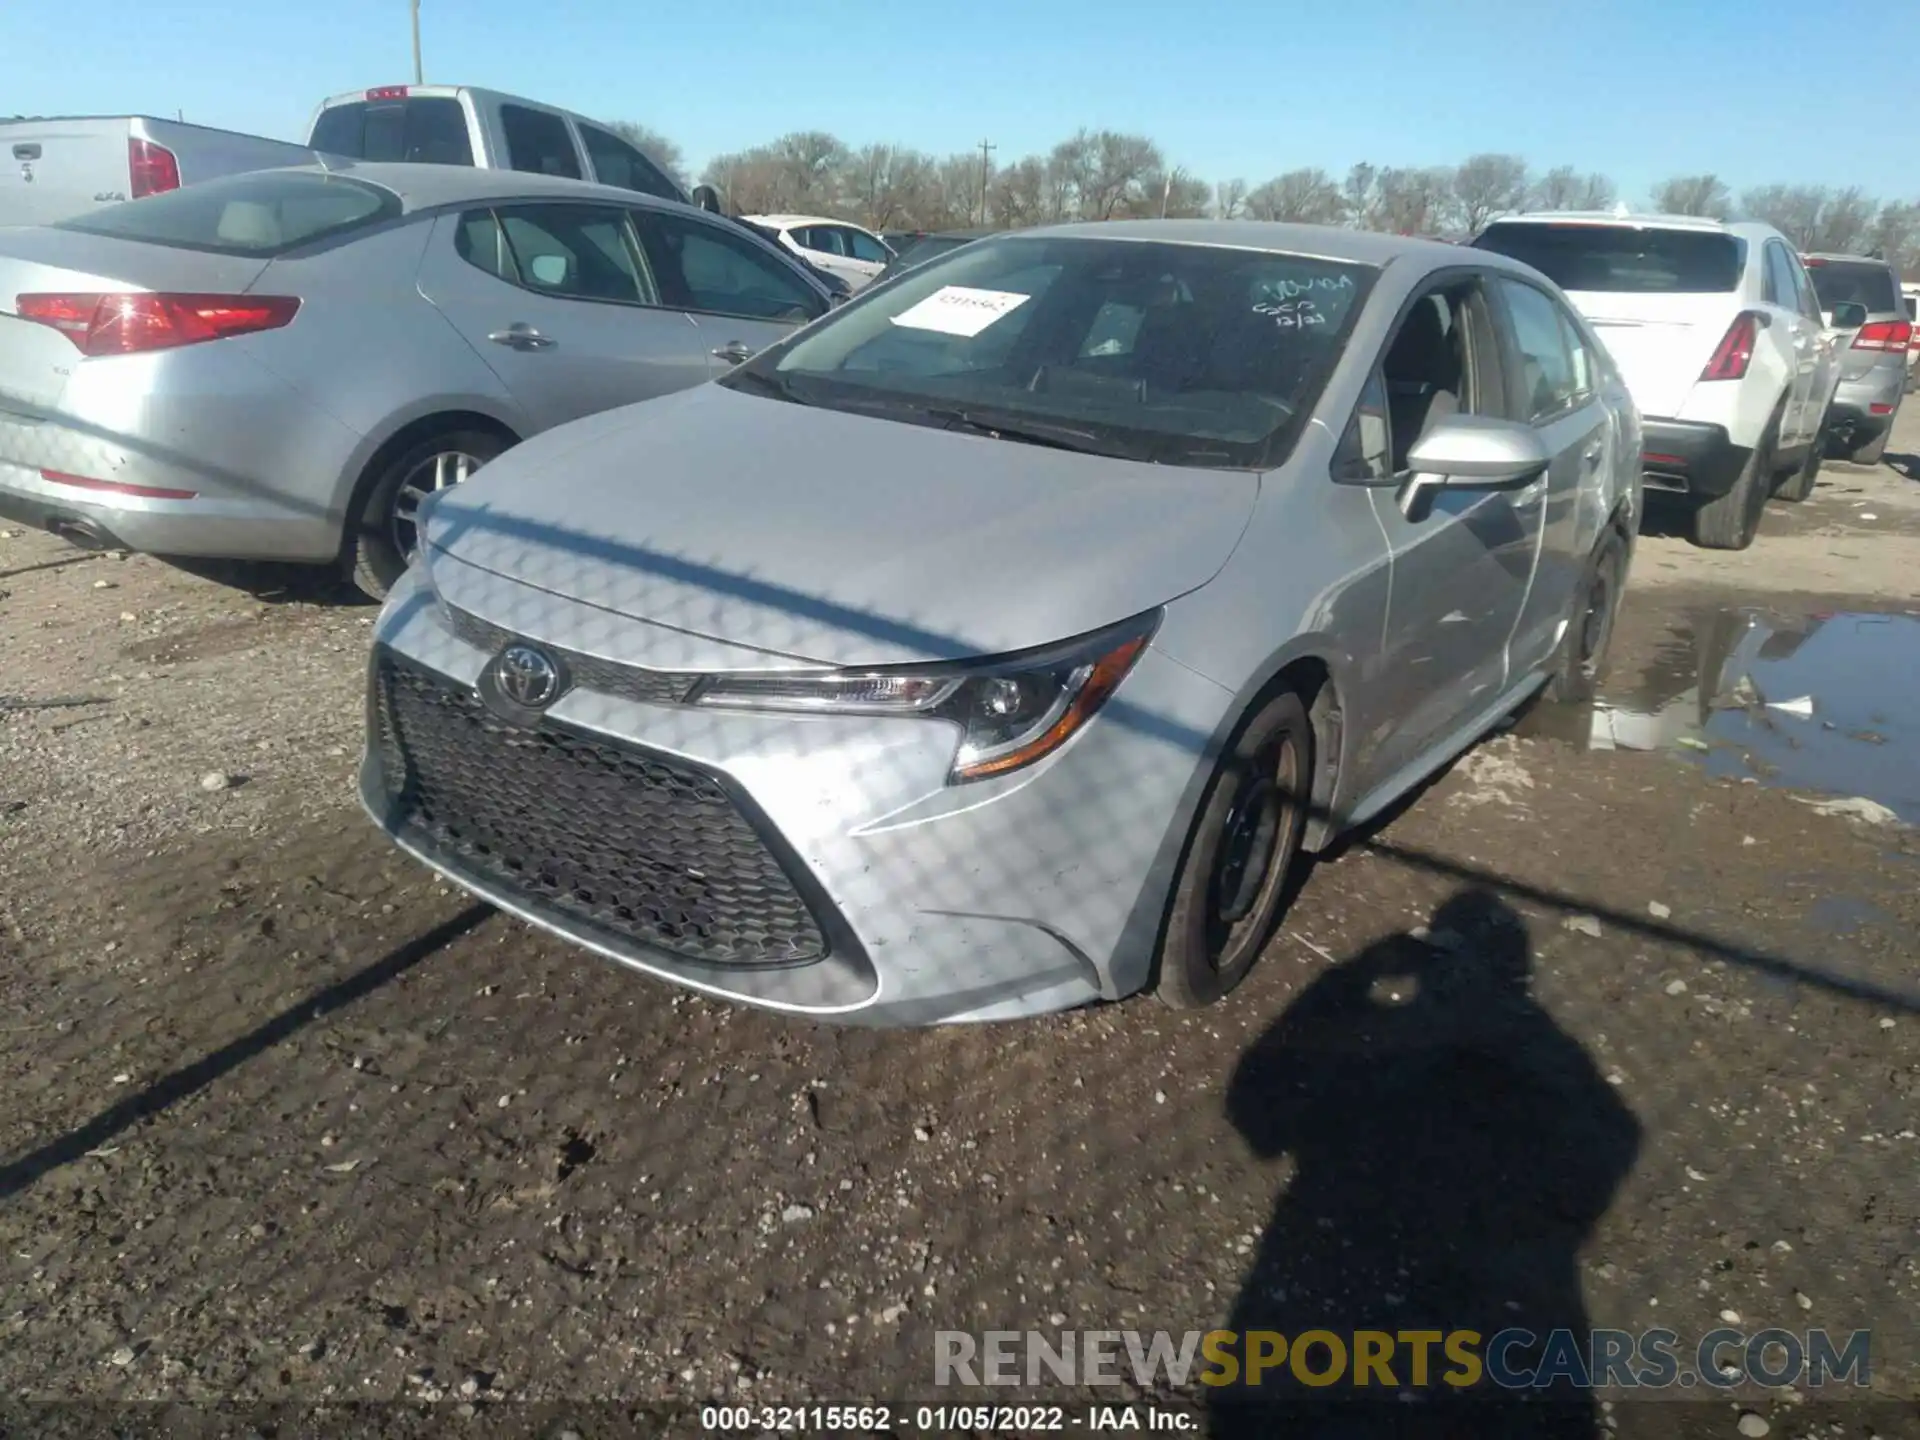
[{"x": 57, "y": 166}]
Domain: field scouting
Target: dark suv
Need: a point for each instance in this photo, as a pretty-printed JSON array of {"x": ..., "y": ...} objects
[{"x": 1860, "y": 301}]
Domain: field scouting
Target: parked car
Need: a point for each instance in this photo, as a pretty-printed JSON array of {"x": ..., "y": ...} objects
[
  {"x": 1861, "y": 304},
  {"x": 836, "y": 286},
  {"x": 67, "y": 164},
  {"x": 283, "y": 364},
  {"x": 855, "y": 255},
  {"x": 922, "y": 248},
  {"x": 1718, "y": 332},
  {"x": 998, "y": 643}
]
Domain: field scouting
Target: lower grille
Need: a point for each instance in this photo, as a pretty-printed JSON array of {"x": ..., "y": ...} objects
[{"x": 585, "y": 828}]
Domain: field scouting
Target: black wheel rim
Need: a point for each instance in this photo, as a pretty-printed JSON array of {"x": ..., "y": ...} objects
[{"x": 1254, "y": 853}]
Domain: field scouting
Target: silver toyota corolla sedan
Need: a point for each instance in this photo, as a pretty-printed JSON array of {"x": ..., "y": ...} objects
[
  {"x": 281, "y": 365},
  {"x": 1000, "y": 643}
]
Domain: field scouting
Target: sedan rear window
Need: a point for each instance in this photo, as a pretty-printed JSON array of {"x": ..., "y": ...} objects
[
  {"x": 1179, "y": 354},
  {"x": 1623, "y": 259},
  {"x": 1858, "y": 282},
  {"x": 264, "y": 213}
]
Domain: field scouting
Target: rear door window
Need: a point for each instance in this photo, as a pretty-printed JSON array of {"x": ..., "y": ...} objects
[
  {"x": 1553, "y": 375},
  {"x": 1781, "y": 287},
  {"x": 615, "y": 162},
  {"x": 539, "y": 142},
  {"x": 863, "y": 246},
  {"x": 575, "y": 252},
  {"x": 263, "y": 212},
  {"x": 422, "y": 130},
  {"x": 1623, "y": 259}
]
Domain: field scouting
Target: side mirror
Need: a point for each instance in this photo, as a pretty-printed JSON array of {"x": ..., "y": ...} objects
[
  {"x": 1478, "y": 452},
  {"x": 1848, "y": 315},
  {"x": 707, "y": 198}
]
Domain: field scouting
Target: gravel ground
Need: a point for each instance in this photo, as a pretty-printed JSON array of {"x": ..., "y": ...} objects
[{"x": 1579, "y": 1038}]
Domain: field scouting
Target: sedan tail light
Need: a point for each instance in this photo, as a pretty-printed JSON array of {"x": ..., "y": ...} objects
[
  {"x": 152, "y": 168},
  {"x": 1894, "y": 336},
  {"x": 131, "y": 324},
  {"x": 1735, "y": 350}
]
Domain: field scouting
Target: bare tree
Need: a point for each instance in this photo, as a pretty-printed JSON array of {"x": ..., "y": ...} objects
[
  {"x": 1596, "y": 193},
  {"x": 1558, "y": 189},
  {"x": 1846, "y": 222},
  {"x": 1414, "y": 201},
  {"x": 1307, "y": 196},
  {"x": 1693, "y": 195},
  {"x": 1896, "y": 235},
  {"x": 1360, "y": 196},
  {"x": 1174, "y": 194},
  {"x": 1488, "y": 185},
  {"x": 655, "y": 146},
  {"x": 1229, "y": 199},
  {"x": 1017, "y": 195}
]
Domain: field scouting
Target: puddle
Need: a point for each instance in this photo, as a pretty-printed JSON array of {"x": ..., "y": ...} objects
[{"x": 1823, "y": 703}]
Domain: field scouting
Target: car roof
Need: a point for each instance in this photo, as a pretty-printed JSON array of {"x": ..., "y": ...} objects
[
  {"x": 782, "y": 222},
  {"x": 1632, "y": 220},
  {"x": 427, "y": 187},
  {"x": 1846, "y": 256},
  {"x": 1365, "y": 247}
]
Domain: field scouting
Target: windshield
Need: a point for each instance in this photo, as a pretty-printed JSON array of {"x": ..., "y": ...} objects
[
  {"x": 1182, "y": 354},
  {"x": 263, "y": 212},
  {"x": 1623, "y": 259},
  {"x": 1861, "y": 282}
]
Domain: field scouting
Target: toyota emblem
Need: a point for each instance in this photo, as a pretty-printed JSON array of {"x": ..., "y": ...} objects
[{"x": 528, "y": 677}]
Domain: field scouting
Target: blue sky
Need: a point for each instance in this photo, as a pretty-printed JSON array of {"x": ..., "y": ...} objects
[{"x": 1757, "y": 90}]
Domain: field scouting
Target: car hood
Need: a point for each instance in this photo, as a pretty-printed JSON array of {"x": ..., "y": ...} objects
[{"x": 820, "y": 536}]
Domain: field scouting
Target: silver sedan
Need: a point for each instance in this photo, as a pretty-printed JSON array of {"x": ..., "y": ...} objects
[
  {"x": 283, "y": 364},
  {"x": 1001, "y": 643}
]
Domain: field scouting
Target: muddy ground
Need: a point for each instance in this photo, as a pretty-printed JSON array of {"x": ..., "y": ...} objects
[{"x": 287, "y": 1120}]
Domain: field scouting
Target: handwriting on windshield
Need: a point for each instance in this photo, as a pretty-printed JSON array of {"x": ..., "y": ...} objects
[{"x": 1291, "y": 314}]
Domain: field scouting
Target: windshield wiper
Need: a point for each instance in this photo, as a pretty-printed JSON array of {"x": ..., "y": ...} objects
[
  {"x": 1034, "y": 432},
  {"x": 765, "y": 383}
]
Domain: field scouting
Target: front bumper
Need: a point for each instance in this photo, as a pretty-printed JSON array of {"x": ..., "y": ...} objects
[
  {"x": 1029, "y": 893},
  {"x": 1690, "y": 458}
]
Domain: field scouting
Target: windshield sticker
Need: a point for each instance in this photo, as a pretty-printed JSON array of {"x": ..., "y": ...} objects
[{"x": 959, "y": 310}]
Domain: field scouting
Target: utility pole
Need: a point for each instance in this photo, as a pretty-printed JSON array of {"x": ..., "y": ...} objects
[
  {"x": 987, "y": 148},
  {"x": 418, "y": 76},
  {"x": 1166, "y": 191}
]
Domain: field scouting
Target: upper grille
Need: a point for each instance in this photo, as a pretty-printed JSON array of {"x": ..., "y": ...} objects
[
  {"x": 590, "y": 672},
  {"x": 586, "y": 828}
]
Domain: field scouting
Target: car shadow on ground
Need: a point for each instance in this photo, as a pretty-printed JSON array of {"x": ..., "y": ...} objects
[
  {"x": 1449, "y": 1149},
  {"x": 1904, "y": 465},
  {"x": 274, "y": 582}
]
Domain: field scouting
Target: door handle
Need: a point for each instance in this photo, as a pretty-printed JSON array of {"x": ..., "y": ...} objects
[
  {"x": 1594, "y": 453},
  {"x": 733, "y": 352},
  {"x": 521, "y": 336}
]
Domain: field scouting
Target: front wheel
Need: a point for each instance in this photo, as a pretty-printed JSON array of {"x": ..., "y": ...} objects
[
  {"x": 1233, "y": 881},
  {"x": 385, "y": 530}
]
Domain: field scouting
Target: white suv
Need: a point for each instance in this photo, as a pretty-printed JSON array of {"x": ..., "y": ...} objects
[
  {"x": 857, "y": 256},
  {"x": 1719, "y": 335}
]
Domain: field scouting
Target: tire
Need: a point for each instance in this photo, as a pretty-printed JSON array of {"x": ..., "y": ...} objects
[
  {"x": 1223, "y": 913},
  {"x": 1730, "y": 521},
  {"x": 1799, "y": 485},
  {"x": 379, "y": 541},
  {"x": 1870, "y": 453},
  {"x": 1583, "y": 649}
]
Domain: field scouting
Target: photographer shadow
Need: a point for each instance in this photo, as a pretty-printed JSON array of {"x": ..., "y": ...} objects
[{"x": 1451, "y": 1150}]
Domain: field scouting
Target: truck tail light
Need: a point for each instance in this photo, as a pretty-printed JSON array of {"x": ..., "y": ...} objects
[{"x": 152, "y": 168}]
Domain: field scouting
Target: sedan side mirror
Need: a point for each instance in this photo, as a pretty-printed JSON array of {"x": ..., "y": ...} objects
[
  {"x": 1848, "y": 315},
  {"x": 1478, "y": 452},
  {"x": 707, "y": 198}
]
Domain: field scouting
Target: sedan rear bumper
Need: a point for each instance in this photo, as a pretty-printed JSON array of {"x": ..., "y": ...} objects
[{"x": 1690, "y": 458}]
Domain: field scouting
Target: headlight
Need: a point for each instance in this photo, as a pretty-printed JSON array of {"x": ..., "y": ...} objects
[{"x": 1011, "y": 710}]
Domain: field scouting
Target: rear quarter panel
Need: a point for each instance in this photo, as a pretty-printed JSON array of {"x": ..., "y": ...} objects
[{"x": 371, "y": 352}]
